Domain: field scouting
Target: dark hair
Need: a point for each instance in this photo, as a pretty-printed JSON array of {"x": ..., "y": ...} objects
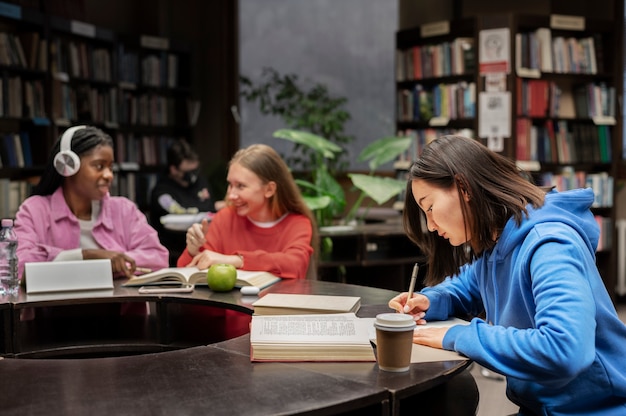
[
  {"x": 83, "y": 142},
  {"x": 267, "y": 164},
  {"x": 178, "y": 151},
  {"x": 496, "y": 190}
]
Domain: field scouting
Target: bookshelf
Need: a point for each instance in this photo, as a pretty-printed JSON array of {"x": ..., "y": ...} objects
[
  {"x": 56, "y": 72},
  {"x": 435, "y": 83},
  {"x": 24, "y": 116},
  {"x": 563, "y": 84}
]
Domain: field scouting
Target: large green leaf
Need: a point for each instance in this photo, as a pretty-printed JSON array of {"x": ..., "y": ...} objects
[
  {"x": 332, "y": 188},
  {"x": 380, "y": 189},
  {"x": 384, "y": 150},
  {"x": 317, "y": 202},
  {"x": 321, "y": 145}
]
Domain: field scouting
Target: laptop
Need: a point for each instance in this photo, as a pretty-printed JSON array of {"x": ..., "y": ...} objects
[{"x": 62, "y": 276}]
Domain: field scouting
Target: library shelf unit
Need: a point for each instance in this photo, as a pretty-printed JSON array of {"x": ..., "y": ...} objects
[
  {"x": 565, "y": 87},
  {"x": 435, "y": 82},
  {"x": 435, "y": 85},
  {"x": 58, "y": 72}
]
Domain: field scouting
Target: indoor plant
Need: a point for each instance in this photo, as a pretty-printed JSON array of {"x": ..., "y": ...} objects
[
  {"x": 324, "y": 194},
  {"x": 302, "y": 106}
]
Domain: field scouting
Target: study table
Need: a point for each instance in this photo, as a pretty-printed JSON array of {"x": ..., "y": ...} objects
[{"x": 147, "y": 365}]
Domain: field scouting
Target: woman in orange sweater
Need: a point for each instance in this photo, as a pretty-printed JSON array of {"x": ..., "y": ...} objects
[{"x": 265, "y": 225}]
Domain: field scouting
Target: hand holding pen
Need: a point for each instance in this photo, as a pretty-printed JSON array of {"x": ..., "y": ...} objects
[{"x": 408, "y": 302}]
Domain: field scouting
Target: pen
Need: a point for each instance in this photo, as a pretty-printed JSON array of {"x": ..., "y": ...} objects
[
  {"x": 143, "y": 269},
  {"x": 412, "y": 284}
]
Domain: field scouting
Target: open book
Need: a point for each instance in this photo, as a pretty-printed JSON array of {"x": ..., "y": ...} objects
[
  {"x": 295, "y": 304},
  {"x": 195, "y": 276},
  {"x": 320, "y": 337}
]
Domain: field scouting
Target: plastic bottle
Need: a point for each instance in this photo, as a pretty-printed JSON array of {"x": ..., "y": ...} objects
[{"x": 9, "y": 279}]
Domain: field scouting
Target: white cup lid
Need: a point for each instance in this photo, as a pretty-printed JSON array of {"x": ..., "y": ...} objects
[{"x": 397, "y": 321}]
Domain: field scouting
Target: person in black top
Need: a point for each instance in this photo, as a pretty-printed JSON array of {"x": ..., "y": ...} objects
[{"x": 181, "y": 190}]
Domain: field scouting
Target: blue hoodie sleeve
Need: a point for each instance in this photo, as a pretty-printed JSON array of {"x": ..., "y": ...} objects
[
  {"x": 558, "y": 340},
  {"x": 458, "y": 295}
]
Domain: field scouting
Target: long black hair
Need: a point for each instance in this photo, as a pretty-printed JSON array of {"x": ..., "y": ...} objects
[
  {"x": 83, "y": 142},
  {"x": 496, "y": 189}
]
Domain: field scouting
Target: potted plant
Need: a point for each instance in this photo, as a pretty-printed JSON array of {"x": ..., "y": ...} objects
[
  {"x": 325, "y": 196},
  {"x": 302, "y": 106}
]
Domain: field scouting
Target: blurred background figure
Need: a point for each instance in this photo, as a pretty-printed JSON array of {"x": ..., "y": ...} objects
[{"x": 180, "y": 190}]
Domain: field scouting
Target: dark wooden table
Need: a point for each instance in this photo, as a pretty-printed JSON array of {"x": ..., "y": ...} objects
[{"x": 171, "y": 375}]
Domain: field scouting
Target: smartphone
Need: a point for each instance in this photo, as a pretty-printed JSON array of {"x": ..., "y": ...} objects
[{"x": 172, "y": 288}]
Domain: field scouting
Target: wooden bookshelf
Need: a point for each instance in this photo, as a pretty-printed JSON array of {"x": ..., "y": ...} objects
[
  {"x": 565, "y": 82},
  {"x": 57, "y": 72}
]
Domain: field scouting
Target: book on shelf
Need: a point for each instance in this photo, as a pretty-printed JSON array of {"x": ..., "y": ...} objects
[
  {"x": 295, "y": 304},
  {"x": 319, "y": 337},
  {"x": 195, "y": 276}
]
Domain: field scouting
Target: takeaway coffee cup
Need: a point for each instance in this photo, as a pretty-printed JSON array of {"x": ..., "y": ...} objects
[{"x": 394, "y": 341}]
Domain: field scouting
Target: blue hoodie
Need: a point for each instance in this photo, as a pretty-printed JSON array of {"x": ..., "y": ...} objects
[{"x": 550, "y": 326}]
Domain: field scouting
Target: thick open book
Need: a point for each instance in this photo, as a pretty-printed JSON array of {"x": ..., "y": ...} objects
[
  {"x": 195, "y": 276},
  {"x": 295, "y": 304},
  {"x": 319, "y": 337}
]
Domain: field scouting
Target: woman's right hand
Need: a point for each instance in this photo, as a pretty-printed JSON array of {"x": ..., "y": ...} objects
[
  {"x": 195, "y": 236},
  {"x": 120, "y": 262},
  {"x": 416, "y": 306}
]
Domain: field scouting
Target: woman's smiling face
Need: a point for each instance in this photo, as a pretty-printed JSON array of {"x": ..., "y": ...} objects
[
  {"x": 443, "y": 211},
  {"x": 249, "y": 194},
  {"x": 93, "y": 179}
]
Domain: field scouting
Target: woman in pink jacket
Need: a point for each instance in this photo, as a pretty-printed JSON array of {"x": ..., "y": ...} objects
[{"x": 71, "y": 215}]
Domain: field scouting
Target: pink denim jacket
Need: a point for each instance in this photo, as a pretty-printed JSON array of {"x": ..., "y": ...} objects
[{"x": 45, "y": 226}]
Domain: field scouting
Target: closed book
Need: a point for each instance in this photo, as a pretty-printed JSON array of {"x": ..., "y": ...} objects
[
  {"x": 195, "y": 276},
  {"x": 294, "y": 304},
  {"x": 321, "y": 337}
]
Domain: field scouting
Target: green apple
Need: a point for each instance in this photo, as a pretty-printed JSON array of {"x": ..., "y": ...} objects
[{"x": 221, "y": 277}]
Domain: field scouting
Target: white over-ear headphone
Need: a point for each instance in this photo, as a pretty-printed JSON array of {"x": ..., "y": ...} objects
[{"x": 66, "y": 161}]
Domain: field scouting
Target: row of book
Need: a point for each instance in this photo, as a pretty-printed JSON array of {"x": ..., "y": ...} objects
[
  {"x": 15, "y": 150},
  {"x": 538, "y": 50},
  {"x": 437, "y": 60},
  {"x": 83, "y": 60},
  {"x": 157, "y": 69},
  {"x": 135, "y": 186},
  {"x": 11, "y": 51},
  {"x": 568, "y": 178},
  {"x": 542, "y": 98},
  {"x": 142, "y": 150},
  {"x": 80, "y": 60},
  {"x": 35, "y": 49},
  {"x": 421, "y": 137},
  {"x": 21, "y": 98},
  {"x": 448, "y": 101},
  {"x": 108, "y": 105},
  {"x": 149, "y": 110},
  {"x": 560, "y": 141},
  {"x": 12, "y": 193}
]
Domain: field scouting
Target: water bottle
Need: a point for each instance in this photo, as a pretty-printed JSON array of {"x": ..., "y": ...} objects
[{"x": 9, "y": 278}]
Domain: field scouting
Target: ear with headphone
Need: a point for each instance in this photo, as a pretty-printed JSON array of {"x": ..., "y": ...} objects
[{"x": 66, "y": 162}]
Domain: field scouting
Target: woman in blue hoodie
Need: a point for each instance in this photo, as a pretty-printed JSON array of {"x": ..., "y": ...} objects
[{"x": 500, "y": 247}]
